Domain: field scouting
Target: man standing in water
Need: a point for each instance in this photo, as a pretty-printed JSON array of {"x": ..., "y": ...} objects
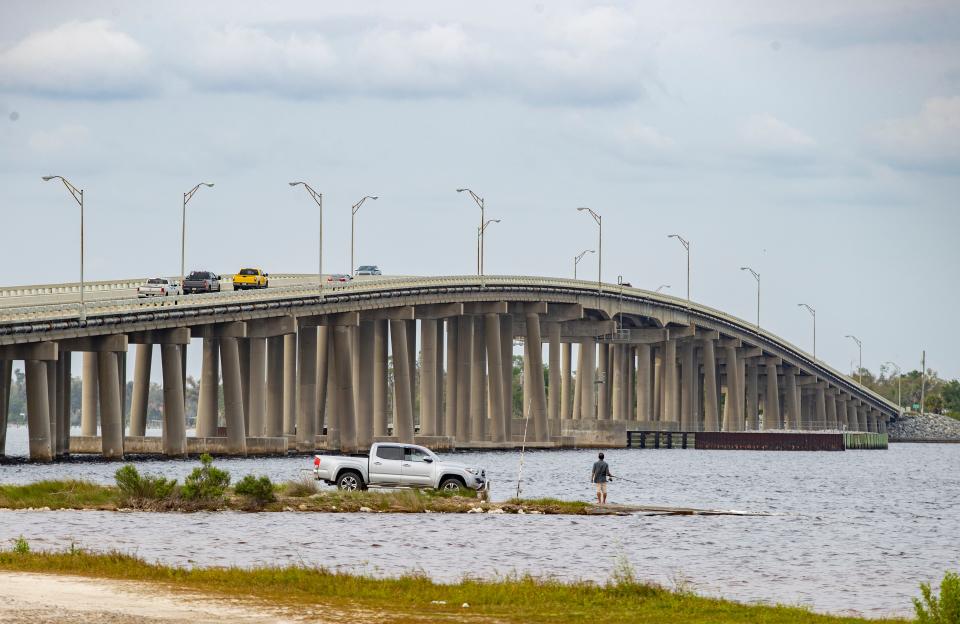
[{"x": 599, "y": 475}]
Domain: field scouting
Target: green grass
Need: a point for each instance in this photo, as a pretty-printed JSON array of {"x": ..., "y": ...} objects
[
  {"x": 412, "y": 598},
  {"x": 58, "y": 495}
]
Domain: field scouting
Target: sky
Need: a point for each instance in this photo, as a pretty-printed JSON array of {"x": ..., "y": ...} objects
[{"x": 816, "y": 142}]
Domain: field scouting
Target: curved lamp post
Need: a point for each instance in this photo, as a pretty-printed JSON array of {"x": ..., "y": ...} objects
[
  {"x": 599, "y": 220},
  {"x": 183, "y": 228},
  {"x": 756, "y": 276},
  {"x": 577, "y": 258},
  {"x": 77, "y": 195},
  {"x": 686, "y": 245},
  {"x": 661, "y": 287},
  {"x": 860, "y": 365},
  {"x": 480, "y": 202},
  {"x": 353, "y": 227},
  {"x": 318, "y": 198},
  {"x": 813, "y": 313},
  {"x": 899, "y": 378}
]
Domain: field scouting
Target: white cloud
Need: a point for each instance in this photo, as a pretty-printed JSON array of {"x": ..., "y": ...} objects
[
  {"x": 929, "y": 140},
  {"x": 57, "y": 140},
  {"x": 768, "y": 135},
  {"x": 79, "y": 58}
]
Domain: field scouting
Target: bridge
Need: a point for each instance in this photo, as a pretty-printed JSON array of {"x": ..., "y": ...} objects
[{"x": 305, "y": 367}]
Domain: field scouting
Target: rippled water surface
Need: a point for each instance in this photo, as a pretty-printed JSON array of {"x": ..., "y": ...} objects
[{"x": 852, "y": 531}]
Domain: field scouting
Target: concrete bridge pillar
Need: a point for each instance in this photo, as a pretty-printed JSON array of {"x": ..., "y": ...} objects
[
  {"x": 307, "y": 395},
  {"x": 346, "y": 416},
  {"x": 753, "y": 396},
  {"x": 629, "y": 383},
  {"x": 275, "y": 359},
  {"x": 499, "y": 421},
  {"x": 603, "y": 381},
  {"x": 428, "y": 377},
  {"x": 243, "y": 351},
  {"x": 733, "y": 406},
  {"x": 657, "y": 383},
  {"x": 89, "y": 394},
  {"x": 52, "y": 403},
  {"x": 616, "y": 382},
  {"x": 6, "y": 370},
  {"x": 365, "y": 380},
  {"x": 464, "y": 376},
  {"x": 821, "y": 421},
  {"x": 862, "y": 417},
  {"x": 232, "y": 398},
  {"x": 478, "y": 382},
  {"x": 326, "y": 389},
  {"x": 174, "y": 420},
  {"x": 64, "y": 392},
  {"x": 538, "y": 395},
  {"x": 791, "y": 398},
  {"x": 671, "y": 393},
  {"x": 451, "y": 382},
  {"x": 290, "y": 384},
  {"x": 566, "y": 374},
  {"x": 711, "y": 409},
  {"x": 830, "y": 407},
  {"x": 687, "y": 386},
  {"x": 257, "y": 394},
  {"x": 506, "y": 359},
  {"x": 38, "y": 410},
  {"x": 403, "y": 423},
  {"x": 588, "y": 409},
  {"x": 208, "y": 403},
  {"x": 556, "y": 386},
  {"x": 380, "y": 388},
  {"x": 853, "y": 421},
  {"x": 644, "y": 390}
]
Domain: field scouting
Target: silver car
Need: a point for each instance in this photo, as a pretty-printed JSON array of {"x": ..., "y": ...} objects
[
  {"x": 368, "y": 269},
  {"x": 158, "y": 287}
]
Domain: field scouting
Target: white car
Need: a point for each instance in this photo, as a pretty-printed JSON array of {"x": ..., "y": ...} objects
[
  {"x": 158, "y": 287},
  {"x": 397, "y": 465}
]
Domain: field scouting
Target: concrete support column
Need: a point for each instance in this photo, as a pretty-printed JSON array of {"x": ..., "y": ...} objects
[
  {"x": 6, "y": 370},
  {"x": 499, "y": 423},
  {"x": 862, "y": 417},
  {"x": 792, "y": 402},
  {"x": 753, "y": 397},
  {"x": 538, "y": 392},
  {"x": 111, "y": 414},
  {"x": 556, "y": 385},
  {"x": 89, "y": 394},
  {"x": 603, "y": 376},
  {"x": 450, "y": 412},
  {"x": 307, "y": 394},
  {"x": 243, "y": 346},
  {"x": 53, "y": 406},
  {"x": 38, "y": 411},
  {"x": 438, "y": 380},
  {"x": 577, "y": 407},
  {"x": 403, "y": 413},
  {"x": 346, "y": 416},
  {"x": 687, "y": 386},
  {"x": 588, "y": 388},
  {"x": 258, "y": 398},
  {"x": 853, "y": 423},
  {"x": 364, "y": 383},
  {"x": 380, "y": 377},
  {"x": 733, "y": 407},
  {"x": 771, "y": 398},
  {"x": 830, "y": 403},
  {"x": 174, "y": 420},
  {"x": 506, "y": 360},
  {"x": 275, "y": 356},
  {"x": 617, "y": 387},
  {"x": 232, "y": 399},
  {"x": 324, "y": 417},
  {"x": 428, "y": 377},
  {"x": 658, "y": 383},
  {"x": 331, "y": 406},
  {"x": 670, "y": 382},
  {"x": 566, "y": 373},
  {"x": 64, "y": 390},
  {"x": 820, "y": 407},
  {"x": 290, "y": 384},
  {"x": 478, "y": 383},
  {"x": 464, "y": 373},
  {"x": 841, "y": 413},
  {"x": 208, "y": 403},
  {"x": 644, "y": 382}
]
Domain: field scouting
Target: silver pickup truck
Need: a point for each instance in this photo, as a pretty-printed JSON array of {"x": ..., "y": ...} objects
[{"x": 397, "y": 465}]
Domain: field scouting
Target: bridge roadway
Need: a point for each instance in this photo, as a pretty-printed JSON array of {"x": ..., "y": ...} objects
[{"x": 303, "y": 368}]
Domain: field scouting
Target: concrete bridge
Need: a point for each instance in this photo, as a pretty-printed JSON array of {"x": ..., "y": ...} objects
[{"x": 304, "y": 368}]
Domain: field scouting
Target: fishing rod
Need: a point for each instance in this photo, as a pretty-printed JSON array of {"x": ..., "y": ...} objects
[
  {"x": 627, "y": 480},
  {"x": 523, "y": 447}
]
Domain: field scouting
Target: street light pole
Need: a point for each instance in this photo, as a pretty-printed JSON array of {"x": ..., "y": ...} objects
[
  {"x": 481, "y": 231},
  {"x": 899, "y": 378},
  {"x": 183, "y": 229},
  {"x": 577, "y": 258},
  {"x": 599, "y": 220},
  {"x": 813, "y": 313},
  {"x": 661, "y": 287},
  {"x": 353, "y": 224},
  {"x": 480, "y": 202},
  {"x": 756, "y": 276},
  {"x": 860, "y": 365},
  {"x": 78, "y": 196},
  {"x": 318, "y": 198},
  {"x": 686, "y": 245}
]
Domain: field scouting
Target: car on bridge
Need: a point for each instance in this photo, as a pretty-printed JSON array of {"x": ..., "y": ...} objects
[
  {"x": 201, "y": 282},
  {"x": 391, "y": 465},
  {"x": 250, "y": 278},
  {"x": 368, "y": 269},
  {"x": 339, "y": 277},
  {"x": 158, "y": 287}
]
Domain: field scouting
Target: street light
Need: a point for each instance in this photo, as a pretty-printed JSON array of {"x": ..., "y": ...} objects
[
  {"x": 480, "y": 202},
  {"x": 353, "y": 219},
  {"x": 599, "y": 220},
  {"x": 899, "y": 378},
  {"x": 813, "y": 313},
  {"x": 860, "y": 365},
  {"x": 756, "y": 276},
  {"x": 318, "y": 198},
  {"x": 577, "y": 258},
  {"x": 481, "y": 232},
  {"x": 77, "y": 195},
  {"x": 183, "y": 228},
  {"x": 661, "y": 287},
  {"x": 686, "y": 245}
]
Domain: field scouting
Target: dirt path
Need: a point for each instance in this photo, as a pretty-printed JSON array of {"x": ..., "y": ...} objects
[{"x": 32, "y": 598}]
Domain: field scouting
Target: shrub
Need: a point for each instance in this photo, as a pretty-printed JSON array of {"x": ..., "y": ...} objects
[
  {"x": 205, "y": 483},
  {"x": 133, "y": 485},
  {"x": 257, "y": 490},
  {"x": 942, "y": 610},
  {"x": 21, "y": 546},
  {"x": 301, "y": 488}
]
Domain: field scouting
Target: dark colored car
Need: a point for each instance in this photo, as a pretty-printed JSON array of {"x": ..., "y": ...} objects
[{"x": 201, "y": 282}]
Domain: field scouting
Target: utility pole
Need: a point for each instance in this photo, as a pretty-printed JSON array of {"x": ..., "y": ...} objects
[{"x": 923, "y": 378}]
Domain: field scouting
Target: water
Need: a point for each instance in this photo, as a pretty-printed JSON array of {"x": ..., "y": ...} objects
[{"x": 851, "y": 532}]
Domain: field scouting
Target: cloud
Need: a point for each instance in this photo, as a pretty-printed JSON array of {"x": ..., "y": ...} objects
[
  {"x": 88, "y": 59},
  {"x": 929, "y": 140},
  {"x": 56, "y": 140},
  {"x": 766, "y": 135}
]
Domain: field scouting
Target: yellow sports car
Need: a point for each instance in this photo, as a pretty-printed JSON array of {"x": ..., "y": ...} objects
[{"x": 250, "y": 278}]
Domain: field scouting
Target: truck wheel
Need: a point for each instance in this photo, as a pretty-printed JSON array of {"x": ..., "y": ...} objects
[
  {"x": 451, "y": 484},
  {"x": 350, "y": 481}
]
